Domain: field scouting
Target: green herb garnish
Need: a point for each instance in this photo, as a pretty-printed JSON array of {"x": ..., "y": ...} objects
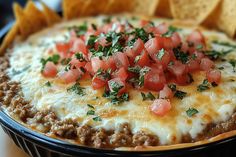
[
  {"x": 90, "y": 106},
  {"x": 180, "y": 55},
  {"x": 233, "y": 63},
  {"x": 148, "y": 96},
  {"x": 98, "y": 118},
  {"x": 79, "y": 30},
  {"x": 170, "y": 31},
  {"x": 180, "y": 94},
  {"x": 91, "y": 112},
  {"x": 48, "y": 84},
  {"x": 76, "y": 88},
  {"x": 54, "y": 58},
  {"x": 160, "y": 54},
  {"x": 191, "y": 111},
  {"x": 204, "y": 86}
]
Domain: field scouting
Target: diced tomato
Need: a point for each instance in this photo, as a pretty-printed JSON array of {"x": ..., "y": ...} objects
[
  {"x": 206, "y": 64},
  {"x": 214, "y": 76},
  {"x": 76, "y": 63},
  {"x": 160, "y": 29},
  {"x": 165, "y": 93},
  {"x": 193, "y": 65},
  {"x": 164, "y": 60},
  {"x": 176, "y": 40},
  {"x": 111, "y": 63},
  {"x": 98, "y": 64},
  {"x": 106, "y": 28},
  {"x": 160, "y": 107},
  {"x": 119, "y": 82},
  {"x": 197, "y": 38},
  {"x": 88, "y": 67},
  {"x": 154, "y": 80},
  {"x": 98, "y": 83},
  {"x": 138, "y": 46},
  {"x": 71, "y": 76},
  {"x": 79, "y": 46},
  {"x": 199, "y": 55},
  {"x": 144, "y": 59},
  {"x": 50, "y": 70},
  {"x": 63, "y": 50},
  {"x": 155, "y": 44},
  {"x": 121, "y": 73},
  {"x": 143, "y": 22},
  {"x": 177, "y": 68},
  {"x": 121, "y": 60},
  {"x": 102, "y": 41}
]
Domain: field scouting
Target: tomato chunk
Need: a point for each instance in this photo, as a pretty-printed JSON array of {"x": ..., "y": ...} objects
[
  {"x": 121, "y": 60},
  {"x": 121, "y": 73},
  {"x": 97, "y": 64},
  {"x": 154, "y": 80},
  {"x": 98, "y": 83},
  {"x": 160, "y": 107},
  {"x": 143, "y": 59},
  {"x": 206, "y": 64},
  {"x": 71, "y": 76},
  {"x": 165, "y": 93},
  {"x": 79, "y": 46},
  {"x": 214, "y": 76},
  {"x": 50, "y": 70},
  {"x": 197, "y": 38}
]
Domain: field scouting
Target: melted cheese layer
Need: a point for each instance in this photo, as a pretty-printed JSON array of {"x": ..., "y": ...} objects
[{"x": 214, "y": 105}]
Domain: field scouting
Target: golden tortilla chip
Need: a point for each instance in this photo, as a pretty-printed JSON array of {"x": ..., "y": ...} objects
[
  {"x": 223, "y": 17},
  {"x": 163, "y": 8},
  {"x": 118, "y": 6},
  {"x": 35, "y": 16},
  {"x": 193, "y": 10},
  {"x": 94, "y": 7},
  {"x": 51, "y": 16},
  {"x": 25, "y": 26},
  {"x": 147, "y": 7},
  {"x": 9, "y": 38},
  {"x": 73, "y": 8}
]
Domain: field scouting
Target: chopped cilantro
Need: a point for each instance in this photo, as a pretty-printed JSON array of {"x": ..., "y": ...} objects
[
  {"x": 148, "y": 96},
  {"x": 65, "y": 61},
  {"x": 91, "y": 41},
  {"x": 90, "y": 106},
  {"x": 79, "y": 30},
  {"x": 97, "y": 118},
  {"x": 160, "y": 54},
  {"x": 16, "y": 72},
  {"x": 91, "y": 112},
  {"x": 221, "y": 68},
  {"x": 204, "y": 86},
  {"x": 48, "y": 84},
  {"x": 104, "y": 74},
  {"x": 107, "y": 19},
  {"x": 135, "y": 69},
  {"x": 142, "y": 73},
  {"x": 199, "y": 47},
  {"x": 194, "y": 56},
  {"x": 137, "y": 58},
  {"x": 233, "y": 63},
  {"x": 80, "y": 57},
  {"x": 180, "y": 94},
  {"x": 191, "y": 111},
  {"x": 180, "y": 55},
  {"x": 172, "y": 87},
  {"x": 54, "y": 58},
  {"x": 170, "y": 31},
  {"x": 94, "y": 26},
  {"x": 214, "y": 54},
  {"x": 115, "y": 99},
  {"x": 224, "y": 43},
  {"x": 76, "y": 89}
]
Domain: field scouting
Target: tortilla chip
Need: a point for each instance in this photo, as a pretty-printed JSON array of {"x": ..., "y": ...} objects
[
  {"x": 35, "y": 16},
  {"x": 9, "y": 38},
  {"x": 73, "y": 8},
  {"x": 118, "y": 6},
  {"x": 147, "y": 7},
  {"x": 51, "y": 16},
  {"x": 94, "y": 7},
  {"x": 194, "y": 10},
  {"x": 227, "y": 17},
  {"x": 25, "y": 26},
  {"x": 163, "y": 9}
]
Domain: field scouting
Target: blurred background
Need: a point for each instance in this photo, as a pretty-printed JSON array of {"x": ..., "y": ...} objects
[{"x": 6, "y": 13}]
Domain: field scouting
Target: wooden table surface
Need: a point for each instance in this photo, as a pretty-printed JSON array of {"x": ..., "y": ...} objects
[{"x": 8, "y": 148}]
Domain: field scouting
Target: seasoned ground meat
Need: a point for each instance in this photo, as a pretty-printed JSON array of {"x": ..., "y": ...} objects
[
  {"x": 122, "y": 136},
  {"x": 84, "y": 133},
  {"x": 100, "y": 138},
  {"x": 65, "y": 128},
  {"x": 141, "y": 138}
]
